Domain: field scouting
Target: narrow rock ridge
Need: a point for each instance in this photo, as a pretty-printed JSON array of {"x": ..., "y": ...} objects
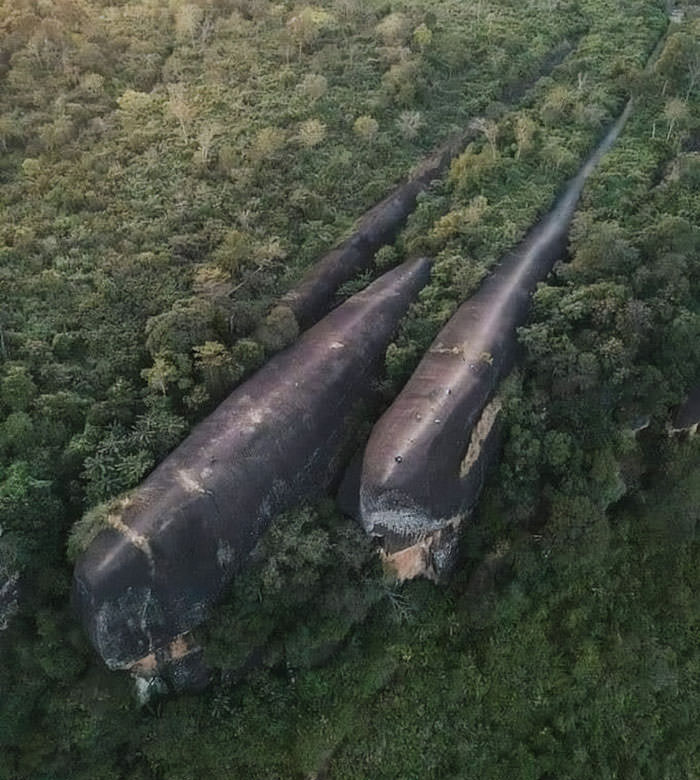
[
  {"x": 427, "y": 557},
  {"x": 312, "y": 297},
  {"x": 281, "y": 437},
  {"x": 427, "y": 457}
]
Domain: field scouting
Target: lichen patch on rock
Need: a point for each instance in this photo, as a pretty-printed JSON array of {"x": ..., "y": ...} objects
[{"x": 479, "y": 435}]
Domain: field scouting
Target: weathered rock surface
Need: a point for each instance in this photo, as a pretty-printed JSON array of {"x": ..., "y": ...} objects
[
  {"x": 178, "y": 539},
  {"x": 426, "y": 458}
]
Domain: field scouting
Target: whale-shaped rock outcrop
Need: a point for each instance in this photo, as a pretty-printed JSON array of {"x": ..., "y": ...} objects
[
  {"x": 175, "y": 542},
  {"x": 427, "y": 456}
]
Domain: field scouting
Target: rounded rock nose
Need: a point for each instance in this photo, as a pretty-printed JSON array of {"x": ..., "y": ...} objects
[
  {"x": 422, "y": 266},
  {"x": 390, "y": 467},
  {"x": 113, "y": 597}
]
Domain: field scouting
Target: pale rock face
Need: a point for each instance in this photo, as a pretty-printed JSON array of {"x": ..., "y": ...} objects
[
  {"x": 412, "y": 562},
  {"x": 178, "y": 666},
  {"x": 480, "y": 435},
  {"x": 430, "y": 557},
  {"x": 146, "y": 688}
]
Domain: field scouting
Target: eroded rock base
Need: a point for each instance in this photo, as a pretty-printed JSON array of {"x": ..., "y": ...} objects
[
  {"x": 433, "y": 556},
  {"x": 178, "y": 667}
]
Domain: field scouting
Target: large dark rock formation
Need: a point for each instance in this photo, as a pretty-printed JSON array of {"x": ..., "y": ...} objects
[
  {"x": 426, "y": 458},
  {"x": 173, "y": 545}
]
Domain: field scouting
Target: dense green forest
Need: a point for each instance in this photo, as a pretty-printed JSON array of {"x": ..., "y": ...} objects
[{"x": 168, "y": 170}]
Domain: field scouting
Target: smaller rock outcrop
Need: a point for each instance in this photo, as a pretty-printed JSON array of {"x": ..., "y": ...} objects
[{"x": 313, "y": 296}]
